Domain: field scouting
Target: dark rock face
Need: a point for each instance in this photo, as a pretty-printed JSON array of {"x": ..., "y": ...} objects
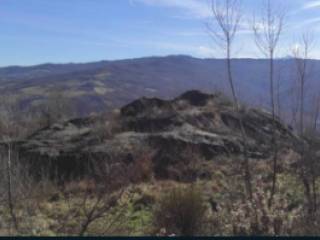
[
  {"x": 195, "y": 98},
  {"x": 201, "y": 123}
]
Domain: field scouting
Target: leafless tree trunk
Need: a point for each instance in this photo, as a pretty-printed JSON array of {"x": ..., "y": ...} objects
[
  {"x": 9, "y": 190},
  {"x": 279, "y": 75},
  {"x": 267, "y": 32},
  {"x": 301, "y": 54},
  {"x": 223, "y": 29},
  {"x": 294, "y": 99},
  {"x": 301, "y": 57},
  {"x": 9, "y": 133},
  {"x": 314, "y": 165},
  {"x": 316, "y": 112}
]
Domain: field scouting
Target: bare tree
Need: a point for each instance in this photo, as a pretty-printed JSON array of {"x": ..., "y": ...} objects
[
  {"x": 103, "y": 202},
  {"x": 267, "y": 32},
  {"x": 227, "y": 17},
  {"x": 301, "y": 55},
  {"x": 16, "y": 183},
  {"x": 57, "y": 107},
  {"x": 223, "y": 29},
  {"x": 97, "y": 194},
  {"x": 315, "y": 160},
  {"x": 308, "y": 167},
  {"x": 9, "y": 133}
]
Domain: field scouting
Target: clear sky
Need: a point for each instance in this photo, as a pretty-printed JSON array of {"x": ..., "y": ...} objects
[{"x": 60, "y": 31}]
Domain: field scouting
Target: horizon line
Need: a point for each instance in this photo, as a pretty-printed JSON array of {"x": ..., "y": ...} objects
[{"x": 142, "y": 57}]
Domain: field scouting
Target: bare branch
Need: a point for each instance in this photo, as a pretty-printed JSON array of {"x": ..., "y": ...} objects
[
  {"x": 301, "y": 55},
  {"x": 226, "y": 20},
  {"x": 267, "y": 32}
]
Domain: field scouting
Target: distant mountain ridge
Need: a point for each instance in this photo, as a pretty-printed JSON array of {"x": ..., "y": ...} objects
[{"x": 105, "y": 85}]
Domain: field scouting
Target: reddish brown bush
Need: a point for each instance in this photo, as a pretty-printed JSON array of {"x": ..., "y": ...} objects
[
  {"x": 181, "y": 211},
  {"x": 142, "y": 168}
]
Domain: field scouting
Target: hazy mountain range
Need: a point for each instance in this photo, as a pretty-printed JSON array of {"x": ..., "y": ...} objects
[{"x": 104, "y": 85}]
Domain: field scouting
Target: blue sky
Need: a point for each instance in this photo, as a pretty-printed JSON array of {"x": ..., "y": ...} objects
[{"x": 60, "y": 31}]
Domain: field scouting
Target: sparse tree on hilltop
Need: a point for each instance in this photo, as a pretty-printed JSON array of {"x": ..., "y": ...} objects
[
  {"x": 267, "y": 33},
  {"x": 223, "y": 29}
]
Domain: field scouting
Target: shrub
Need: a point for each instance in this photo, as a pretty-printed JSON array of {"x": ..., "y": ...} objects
[
  {"x": 181, "y": 211},
  {"x": 257, "y": 218},
  {"x": 142, "y": 168},
  {"x": 307, "y": 224}
]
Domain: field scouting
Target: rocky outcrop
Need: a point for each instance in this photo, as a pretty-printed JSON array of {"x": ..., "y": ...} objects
[{"x": 202, "y": 124}]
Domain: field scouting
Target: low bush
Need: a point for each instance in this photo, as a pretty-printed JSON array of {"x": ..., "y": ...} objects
[
  {"x": 181, "y": 211},
  {"x": 142, "y": 168},
  {"x": 256, "y": 217}
]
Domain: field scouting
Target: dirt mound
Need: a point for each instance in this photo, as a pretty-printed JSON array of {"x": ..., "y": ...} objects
[{"x": 193, "y": 127}]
